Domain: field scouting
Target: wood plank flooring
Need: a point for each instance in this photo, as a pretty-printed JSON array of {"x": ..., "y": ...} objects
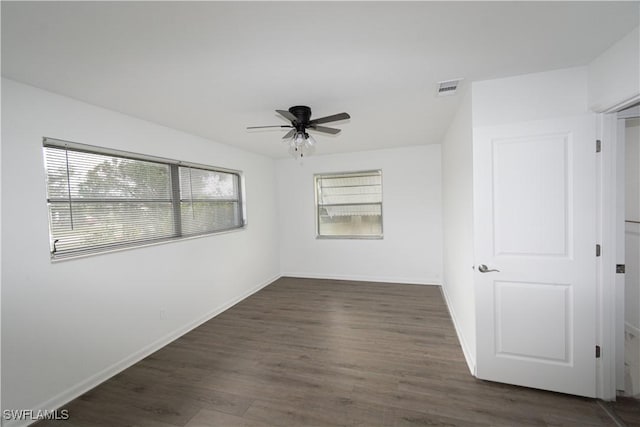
[
  {"x": 305, "y": 352},
  {"x": 625, "y": 409}
]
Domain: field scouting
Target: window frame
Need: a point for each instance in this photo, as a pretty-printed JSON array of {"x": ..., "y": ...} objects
[
  {"x": 174, "y": 167},
  {"x": 318, "y": 176}
]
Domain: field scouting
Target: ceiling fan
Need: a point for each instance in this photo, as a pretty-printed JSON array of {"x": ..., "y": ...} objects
[{"x": 301, "y": 142}]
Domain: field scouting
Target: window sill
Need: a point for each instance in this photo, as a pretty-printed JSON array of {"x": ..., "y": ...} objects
[
  {"x": 319, "y": 237},
  {"x": 63, "y": 258}
]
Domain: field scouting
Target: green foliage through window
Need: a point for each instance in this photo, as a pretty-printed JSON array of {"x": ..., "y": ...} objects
[{"x": 102, "y": 200}]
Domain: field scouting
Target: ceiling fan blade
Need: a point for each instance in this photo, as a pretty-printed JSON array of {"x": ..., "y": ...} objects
[
  {"x": 333, "y": 118},
  {"x": 289, "y": 134},
  {"x": 274, "y": 126},
  {"x": 287, "y": 115},
  {"x": 324, "y": 129}
]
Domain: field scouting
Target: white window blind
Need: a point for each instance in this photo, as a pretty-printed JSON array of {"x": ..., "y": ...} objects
[
  {"x": 209, "y": 200},
  {"x": 104, "y": 200},
  {"x": 349, "y": 204}
]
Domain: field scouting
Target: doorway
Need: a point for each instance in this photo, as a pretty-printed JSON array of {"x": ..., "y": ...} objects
[{"x": 629, "y": 135}]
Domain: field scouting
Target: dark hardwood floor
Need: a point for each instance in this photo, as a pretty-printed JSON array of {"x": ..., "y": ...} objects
[
  {"x": 305, "y": 352},
  {"x": 625, "y": 409}
]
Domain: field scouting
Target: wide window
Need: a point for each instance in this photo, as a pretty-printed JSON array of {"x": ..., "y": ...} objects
[
  {"x": 102, "y": 199},
  {"x": 349, "y": 205}
]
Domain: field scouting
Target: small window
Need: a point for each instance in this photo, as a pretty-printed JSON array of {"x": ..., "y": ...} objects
[
  {"x": 349, "y": 205},
  {"x": 102, "y": 199}
]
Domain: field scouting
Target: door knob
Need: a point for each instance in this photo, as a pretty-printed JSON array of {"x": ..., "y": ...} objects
[{"x": 484, "y": 269}]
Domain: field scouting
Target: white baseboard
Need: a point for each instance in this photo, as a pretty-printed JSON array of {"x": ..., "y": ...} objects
[
  {"x": 471, "y": 363},
  {"x": 93, "y": 381},
  {"x": 359, "y": 278}
]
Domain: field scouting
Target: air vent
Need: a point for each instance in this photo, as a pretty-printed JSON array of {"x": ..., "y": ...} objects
[{"x": 448, "y": 87}]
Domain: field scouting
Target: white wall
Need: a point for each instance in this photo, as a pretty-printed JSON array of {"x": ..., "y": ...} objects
[
  {"x": 530, "y": 97},
  {"x": 457, "y": 221},
  {"x": 69, "y": 325},
  {"x": 614, "y": 76},
  {"x": 411, "y": 251}
]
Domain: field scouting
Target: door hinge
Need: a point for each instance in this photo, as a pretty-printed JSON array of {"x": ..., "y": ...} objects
[
  {"x": 598, "y": 146},
  {"x": 597, "y": 352},
  {"x": 598, "y": 250},
  {"x": 620, "y": 268}
]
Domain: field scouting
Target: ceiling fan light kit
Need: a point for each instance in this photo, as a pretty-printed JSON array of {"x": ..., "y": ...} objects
[{"x": 300, "y": 143}]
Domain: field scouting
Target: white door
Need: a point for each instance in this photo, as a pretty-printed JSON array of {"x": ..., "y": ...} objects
[{"x": 535, "y": 222}]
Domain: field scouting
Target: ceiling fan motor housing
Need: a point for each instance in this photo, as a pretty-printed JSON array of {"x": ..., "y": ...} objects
[{"x": 303, "y": 115}]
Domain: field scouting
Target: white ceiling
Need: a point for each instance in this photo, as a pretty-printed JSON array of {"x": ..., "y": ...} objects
[{"x": 213, "y": 68}]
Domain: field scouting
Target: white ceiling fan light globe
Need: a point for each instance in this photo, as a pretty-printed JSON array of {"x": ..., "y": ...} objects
[
  {"x": 299, "y": 139},
  {"x": 311, "y": 142}
]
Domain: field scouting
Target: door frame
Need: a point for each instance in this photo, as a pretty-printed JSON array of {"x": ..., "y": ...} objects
[{"x": 608, "y": 214}]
